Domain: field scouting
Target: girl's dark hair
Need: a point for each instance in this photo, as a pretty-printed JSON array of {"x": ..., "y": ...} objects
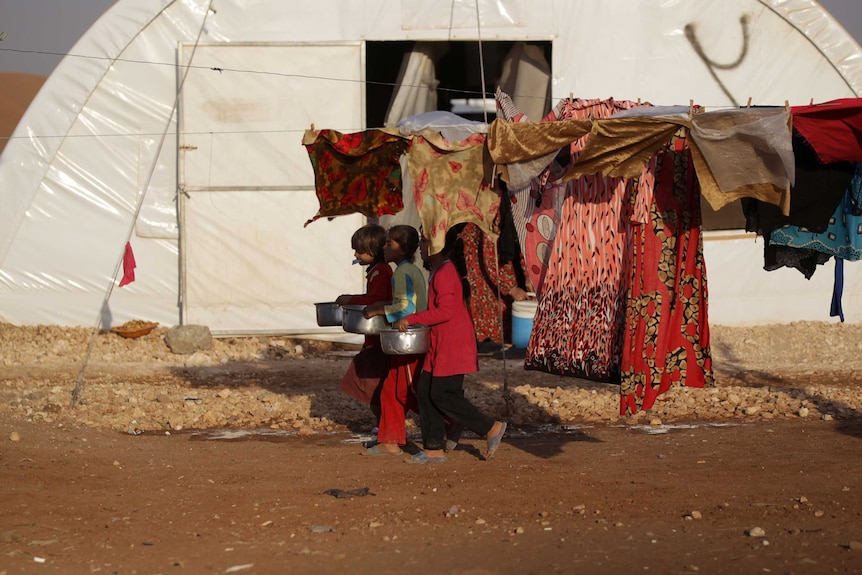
[
  {"x": 453, "y": 250},
  {"x": 370, "y": 239},
  {"x": 408, "y": 238}
]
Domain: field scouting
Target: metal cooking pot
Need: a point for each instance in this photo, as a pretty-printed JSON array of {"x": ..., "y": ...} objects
[
  {"x": 328, "y": 313},
  {"x": 353, "y": 321},
  {"x": 415, "y": 340}
]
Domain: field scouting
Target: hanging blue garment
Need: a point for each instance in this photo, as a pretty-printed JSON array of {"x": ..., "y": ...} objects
[
  {"x": 843, "y": 235},
  {"x": 838, "y": 290}
]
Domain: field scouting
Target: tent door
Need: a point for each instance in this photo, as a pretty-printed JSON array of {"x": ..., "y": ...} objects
[{"x": 246, "y": 186}]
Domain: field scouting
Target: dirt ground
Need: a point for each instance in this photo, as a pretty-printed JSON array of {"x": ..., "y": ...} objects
[{"x": 247, "y": 459}]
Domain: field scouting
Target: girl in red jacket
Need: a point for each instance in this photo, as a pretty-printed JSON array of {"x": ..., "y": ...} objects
[{"x": 451, "y": 355}]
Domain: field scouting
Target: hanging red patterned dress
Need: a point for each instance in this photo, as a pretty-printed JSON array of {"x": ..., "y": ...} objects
[
  {"x": 578, "y": 327},
  {"x": 667, "y": 331},
  {"x": 485, "y": 276}
]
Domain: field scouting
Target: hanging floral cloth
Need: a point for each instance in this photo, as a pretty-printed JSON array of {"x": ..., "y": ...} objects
[
  {"x": 356, "y": 173},
  {"x": 451, "y": 185}
]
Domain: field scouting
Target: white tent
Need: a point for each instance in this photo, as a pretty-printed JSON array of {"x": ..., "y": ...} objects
[{"x": 177, "y": 124}]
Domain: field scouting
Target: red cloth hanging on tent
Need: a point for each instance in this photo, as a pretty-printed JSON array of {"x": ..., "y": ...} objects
[
  {"x": 129, "y": 266},
  {"x": 667, "y": 341},
  {"x": 834, "y": 129}
]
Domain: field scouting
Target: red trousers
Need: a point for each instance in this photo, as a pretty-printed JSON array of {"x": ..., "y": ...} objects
[{"x": 397, "y": 397}]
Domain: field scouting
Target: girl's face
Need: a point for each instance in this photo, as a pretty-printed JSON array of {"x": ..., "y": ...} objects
[
  {"x": 423, "y": 247},
  {"x": 392, "y": 251},
  {"x": 364, "y": 259}
]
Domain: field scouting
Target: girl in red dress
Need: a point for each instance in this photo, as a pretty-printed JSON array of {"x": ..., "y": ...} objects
[
  {"x": 409, "y": 295},
  {"x": 451, "y": 355}
]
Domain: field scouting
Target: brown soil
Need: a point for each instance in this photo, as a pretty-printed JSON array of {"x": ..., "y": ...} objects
[
  {"x": 18, "y": 91},
  {"x": 220, "y": 462}
]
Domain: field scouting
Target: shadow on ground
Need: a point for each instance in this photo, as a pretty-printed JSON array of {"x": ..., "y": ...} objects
[{"x": 314, "y": 380}]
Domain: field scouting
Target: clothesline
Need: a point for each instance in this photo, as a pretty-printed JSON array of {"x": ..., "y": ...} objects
[{"x": 638, "y": 181}]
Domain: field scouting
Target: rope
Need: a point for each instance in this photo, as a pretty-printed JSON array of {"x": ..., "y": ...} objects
[
  {"x": 79, "y": 382},
  {"x": 481, "y": 63},
  {"x": 507, "y": 399},
  {"x": 506, "y": 396}
]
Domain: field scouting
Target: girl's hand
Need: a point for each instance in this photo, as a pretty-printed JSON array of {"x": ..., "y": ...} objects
[
  {"x": 342, "y": 300},
  {"x": 518, "y": 294},
  {"x": 402, "y": 324},
  {"x": 372, "y": 309}
]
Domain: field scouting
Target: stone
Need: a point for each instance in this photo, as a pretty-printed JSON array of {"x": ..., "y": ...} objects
[{"x": 187, "y": 339}]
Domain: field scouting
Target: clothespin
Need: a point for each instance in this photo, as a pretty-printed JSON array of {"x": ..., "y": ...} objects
[
  {"x": 312, "y": 126},
  {"x": 690, "y": 108},
  {"x": 786, "y": 105},
  {"x": 749, "y": 102},
  {"x": 639, "y": 101},
  {"x": 811, "y": 103},
  {"x": 571, "y": 98}
]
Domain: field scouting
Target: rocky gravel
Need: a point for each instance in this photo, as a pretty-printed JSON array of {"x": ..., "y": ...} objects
[{"x": 62, "y": 375}]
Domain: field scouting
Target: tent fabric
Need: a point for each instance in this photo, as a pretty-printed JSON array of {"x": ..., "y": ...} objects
[
  {"x": 416, "y": 90},
  {"x": 83, "y": 153},
  {"x": 527, "y": 75}
]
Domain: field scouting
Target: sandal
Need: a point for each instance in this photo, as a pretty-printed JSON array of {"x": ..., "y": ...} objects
[
  {"x": 422, "y": 458},
  {"x": 494, "y": 442},
  {"x": 377, "y": 450}
]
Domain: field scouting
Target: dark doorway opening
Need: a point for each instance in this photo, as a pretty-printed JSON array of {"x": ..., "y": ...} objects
[{"x": 458, "y": 71}]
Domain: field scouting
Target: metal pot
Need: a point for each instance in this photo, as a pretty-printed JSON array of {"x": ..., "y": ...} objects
[
  {"x": 415, "y": 340},
  {"x": 353, "y": 321},
  {"x": 328, "y": 313}
]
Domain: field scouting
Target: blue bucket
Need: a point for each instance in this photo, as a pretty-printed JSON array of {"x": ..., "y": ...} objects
[{"x": 523, "y": 313}]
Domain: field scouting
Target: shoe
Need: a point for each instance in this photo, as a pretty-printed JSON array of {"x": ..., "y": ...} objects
[
  {"x": 376, "y": 450},
  {"x": 494, "y": 442},
  {"x": 422, "y": 458},
  {"x": 370, "y": 443},
  {"x": 453, "y": 435}
]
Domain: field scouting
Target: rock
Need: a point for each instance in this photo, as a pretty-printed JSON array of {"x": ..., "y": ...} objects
[
  {"x": 756, "y": 532},
  {"x": 187, "y": 339},
  {"x": 198, "y": 359}
]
